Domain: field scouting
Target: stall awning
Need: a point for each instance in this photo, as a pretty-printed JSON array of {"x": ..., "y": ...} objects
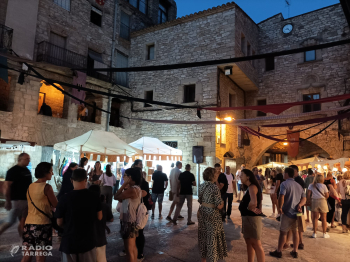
[
  {"x": 98, "y": 142},
  {"x": 155, "y": 147},
  {"x": 11, "y": 142}
]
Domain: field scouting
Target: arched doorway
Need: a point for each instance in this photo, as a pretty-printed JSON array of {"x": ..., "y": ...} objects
[{"x": 278, "y": 152}]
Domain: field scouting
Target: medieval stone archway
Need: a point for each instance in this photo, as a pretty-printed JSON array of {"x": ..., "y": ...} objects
[{"x": 326, "y": 143}]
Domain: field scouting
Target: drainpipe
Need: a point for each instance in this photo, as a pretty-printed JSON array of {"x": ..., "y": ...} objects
[{"x": 112, "y": 58}]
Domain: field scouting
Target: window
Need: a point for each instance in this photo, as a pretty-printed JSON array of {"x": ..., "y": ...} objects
[
  {"x": 121, "y": 78},
  {"x": 63, "y": 3},
  {"x": 150, "y": 52},
  {"x": 261, "y": 102},
  {"x": 311, "y": 107},
  {"x": 232, "y": 100},
  {"x": 148, "y": 96},
  {"x": 189, "y": 93},
  {"x": 125, "y": 26},
  {"x": 310, "y": 55},
  {"x": 57, "y": 40},
  {"x": 95, "y": 60},
  {"x": 96, "y": 16},
  {"x": 243, "y": 43},
  {"x": 162, "y": 12},
  {"x": 253, "y": 61},
  {"x": 140, "y": 5},
  {"x": 269, "y": 63},
  {"x": 248, "y": 49}
]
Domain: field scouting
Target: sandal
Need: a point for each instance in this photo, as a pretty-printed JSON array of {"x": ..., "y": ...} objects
[{"x": 333, "y": 226}]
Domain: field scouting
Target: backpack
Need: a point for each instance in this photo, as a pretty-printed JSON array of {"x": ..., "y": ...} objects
[{"x": 141, "y": 215}]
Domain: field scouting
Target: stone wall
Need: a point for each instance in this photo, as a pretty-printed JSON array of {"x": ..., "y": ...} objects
[{"x": 3, "y": 9}]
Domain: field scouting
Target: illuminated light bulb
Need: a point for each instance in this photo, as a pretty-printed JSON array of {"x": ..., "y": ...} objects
[
  {"x": 228, "y": 118},
  {"x": 319, "y": 166},
  {"x": 285, "y": 143},
  {"x": 344, "y": 169},
  {"x": 217, "y": 119},
  {"x": 335, "y": 169},
  {"x": 325, "y": 167}
]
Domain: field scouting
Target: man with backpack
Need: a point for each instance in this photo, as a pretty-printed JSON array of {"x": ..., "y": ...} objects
[{"x": 229, "y": 192}]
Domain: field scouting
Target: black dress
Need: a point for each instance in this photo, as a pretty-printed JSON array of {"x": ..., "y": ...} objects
[{"x": 331, "y": 202}]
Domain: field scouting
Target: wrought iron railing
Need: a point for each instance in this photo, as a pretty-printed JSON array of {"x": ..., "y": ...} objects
[
  {"x": 59, "y": 56},
  {"x": 6, "y": 34},
  {"x": 104, "y": 76}
]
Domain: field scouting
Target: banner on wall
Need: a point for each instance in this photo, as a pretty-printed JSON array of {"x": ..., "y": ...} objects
[{"x": 293, "y": 147}]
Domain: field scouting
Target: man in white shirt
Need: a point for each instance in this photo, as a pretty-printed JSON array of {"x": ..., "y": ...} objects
[
  {"x": 229, "y": 193},
  {"x": 174, "y": 178},
  {"x": 239, "y": 183}
]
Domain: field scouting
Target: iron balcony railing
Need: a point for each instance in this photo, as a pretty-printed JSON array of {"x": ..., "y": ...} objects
[
  {"x": 104, "y": 76},
  {"x": 59, "y": 56},
  {"x": 6, "y": 34}
]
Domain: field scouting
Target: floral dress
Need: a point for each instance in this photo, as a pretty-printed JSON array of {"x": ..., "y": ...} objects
[{"x": 211, "y": 235}]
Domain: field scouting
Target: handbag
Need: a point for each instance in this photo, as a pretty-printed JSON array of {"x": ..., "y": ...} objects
[
  {"x": 171, "y": 196},
  {"x": 52, "y": 219},
  {"x": 329, "y": 206}
]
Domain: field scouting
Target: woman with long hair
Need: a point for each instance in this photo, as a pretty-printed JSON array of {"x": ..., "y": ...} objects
[
  {"x": 250, "y": 208},
  {"x": 272, "y": 182},
  {"x": 95, "y": 174},
  {"x": 330, "y": 181},
  {"x": 309, "y": 180},
  {"x": 38, "y": 228},
  {"x": 130, "y": 194},
  {"x": 319, "y": 206},
  {"x": 83, "y": 162},
  {"x": 107, "y": 181},
  {"x": 211, "y": 235}
]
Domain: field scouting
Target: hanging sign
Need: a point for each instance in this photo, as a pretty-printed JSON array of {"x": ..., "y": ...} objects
[{"x": 293, "y": 147}]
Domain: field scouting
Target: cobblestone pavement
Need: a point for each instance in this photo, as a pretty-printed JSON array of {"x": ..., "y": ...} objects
[{"x": 165, "y": 242}]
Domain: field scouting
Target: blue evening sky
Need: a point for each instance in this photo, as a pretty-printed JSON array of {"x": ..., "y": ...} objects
[{"x": 258, "y": 10}]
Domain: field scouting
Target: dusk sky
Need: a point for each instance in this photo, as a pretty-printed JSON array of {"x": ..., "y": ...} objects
[{"x": 258, "y": 10}]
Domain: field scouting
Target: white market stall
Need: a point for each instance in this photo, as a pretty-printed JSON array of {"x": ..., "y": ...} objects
[
  {"x": 155, "y": 152},
  {"x": 98, "y": 145}
]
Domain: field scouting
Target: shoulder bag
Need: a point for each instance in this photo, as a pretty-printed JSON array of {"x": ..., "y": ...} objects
[
  {"x": 52, "y": 217},
  {"x": 329, "y": 206}
]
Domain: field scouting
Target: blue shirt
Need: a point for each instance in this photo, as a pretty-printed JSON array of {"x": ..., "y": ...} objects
[{"x": 293, "y": 192}]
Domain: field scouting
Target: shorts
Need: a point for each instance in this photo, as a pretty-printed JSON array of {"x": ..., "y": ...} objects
[
  {"x": 89, "y": 256},
  {"x": 319, "y": 205},
  {"x": 19, "y": 209},
  {"x": 272, "y": 190},
  {"x": 128, "y": 230},
  {"x": 157, "y": 196},
  {"x": 252, "y": 227},
  {"x": 239, "y": 187},
  {"x": 101, "y": 254},
  {"x": 288, "y": 223},
  {"x": 37, "y": 235}
]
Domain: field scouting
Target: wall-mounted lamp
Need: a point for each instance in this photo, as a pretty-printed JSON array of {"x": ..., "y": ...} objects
[{"x": 228, "y": 70}]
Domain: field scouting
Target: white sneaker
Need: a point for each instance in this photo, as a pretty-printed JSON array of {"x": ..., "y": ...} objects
[
  {"x": 122, "y": 254},
  {"x": 325, "y": 235},
  {"x": 313, "y": 235},
  {"x": 273, "y": 215}
]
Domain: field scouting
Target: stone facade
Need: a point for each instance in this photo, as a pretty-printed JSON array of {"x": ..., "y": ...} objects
[{"x": 218, "y": 33}]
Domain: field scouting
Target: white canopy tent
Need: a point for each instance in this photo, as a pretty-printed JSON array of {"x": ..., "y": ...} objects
[
  {"x": 153, "y": 147},
  {"x": 98, "y": 142}
]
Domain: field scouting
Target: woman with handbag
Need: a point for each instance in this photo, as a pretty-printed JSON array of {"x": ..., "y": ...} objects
[
  {"x": 38, "y": 227},
  {"x": 107, "y": 181},
  {"x": 318, "y": 193},
  {"x": 211, "y": 235}
]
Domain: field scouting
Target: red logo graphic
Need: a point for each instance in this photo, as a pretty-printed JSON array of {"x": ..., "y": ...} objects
[{"x": 100, "y": 2}]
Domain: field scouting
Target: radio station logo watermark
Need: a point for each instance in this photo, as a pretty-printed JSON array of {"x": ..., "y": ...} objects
[{"x": 31, "y": 251}]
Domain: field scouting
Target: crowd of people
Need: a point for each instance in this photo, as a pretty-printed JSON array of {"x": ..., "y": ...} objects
[{"x": 83, "y": 207}]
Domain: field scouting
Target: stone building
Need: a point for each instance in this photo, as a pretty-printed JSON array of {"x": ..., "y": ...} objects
[{"x": 221, "y": 32}]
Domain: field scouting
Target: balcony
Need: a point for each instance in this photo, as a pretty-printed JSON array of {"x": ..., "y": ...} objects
[
  {"x": 59, "y": 56},
  {"x": 6, "y": 34}
]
